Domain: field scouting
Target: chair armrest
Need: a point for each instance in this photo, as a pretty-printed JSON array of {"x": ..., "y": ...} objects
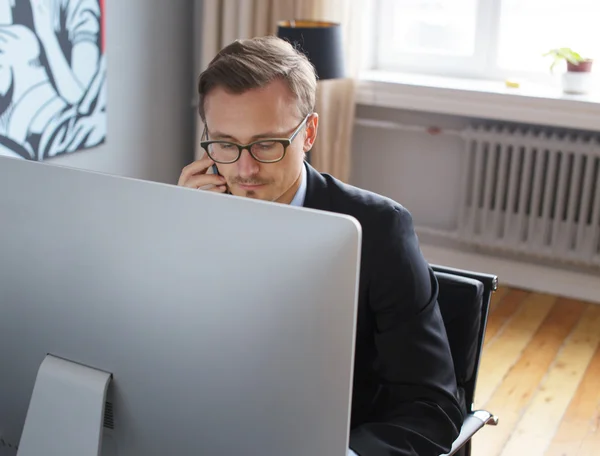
[{"x": 473, "y": 423}]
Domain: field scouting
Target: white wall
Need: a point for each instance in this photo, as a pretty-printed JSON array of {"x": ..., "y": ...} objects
[{"x": 150, "y": 75}]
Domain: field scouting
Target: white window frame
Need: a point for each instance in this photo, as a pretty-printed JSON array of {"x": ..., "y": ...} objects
[
  {"x": 482, "y": 65},
  {"x": 426, "y": 86}
]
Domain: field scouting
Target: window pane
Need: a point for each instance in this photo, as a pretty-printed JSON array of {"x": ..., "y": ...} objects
[
  {"x": 529, "y": 28},
  {"x": 445, "y": 27}
]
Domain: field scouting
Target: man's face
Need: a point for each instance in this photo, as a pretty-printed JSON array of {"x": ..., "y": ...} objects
[{"x": 257, "y": 114}]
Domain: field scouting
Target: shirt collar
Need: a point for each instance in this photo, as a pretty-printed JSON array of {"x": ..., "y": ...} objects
[{"x": 300, "y": 195}]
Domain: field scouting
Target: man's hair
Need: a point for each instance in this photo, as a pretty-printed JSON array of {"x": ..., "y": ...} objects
[{"x": 254, "y": 63}]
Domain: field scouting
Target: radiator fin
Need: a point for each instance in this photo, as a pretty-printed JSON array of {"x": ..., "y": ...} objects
[{"x": 532, "y": 190}]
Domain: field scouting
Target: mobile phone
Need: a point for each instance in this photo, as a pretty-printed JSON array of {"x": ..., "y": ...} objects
[{"x": 215, "y": 170}]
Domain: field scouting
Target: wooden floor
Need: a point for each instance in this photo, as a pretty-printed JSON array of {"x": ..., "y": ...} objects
[{"x": 540, "y": 374}]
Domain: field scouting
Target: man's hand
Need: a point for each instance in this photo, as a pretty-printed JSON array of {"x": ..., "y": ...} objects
[{"x": 195, "y": 175}]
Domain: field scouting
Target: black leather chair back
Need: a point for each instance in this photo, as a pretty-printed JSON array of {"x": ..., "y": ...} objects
[
  {"x": 460, "y": 301},
  {"x": 464, "y": 299}
]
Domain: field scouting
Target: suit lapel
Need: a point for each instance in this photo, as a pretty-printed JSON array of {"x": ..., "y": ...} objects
[{"x": 317, "y": 191}]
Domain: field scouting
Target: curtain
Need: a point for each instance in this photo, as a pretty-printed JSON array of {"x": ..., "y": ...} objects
[{"x": 223, "y": 21}]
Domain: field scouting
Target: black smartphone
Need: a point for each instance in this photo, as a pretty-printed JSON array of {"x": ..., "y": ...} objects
[{"x": 215, "y": 170}]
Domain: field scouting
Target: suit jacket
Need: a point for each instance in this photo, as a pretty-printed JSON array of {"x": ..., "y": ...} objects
[{"x": 405, "y": 399}]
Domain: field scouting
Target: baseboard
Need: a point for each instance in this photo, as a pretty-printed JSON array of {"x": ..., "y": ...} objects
[{"x": 543, "y": 279}]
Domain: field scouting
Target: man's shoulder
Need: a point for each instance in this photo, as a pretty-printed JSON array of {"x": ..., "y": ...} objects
[{"x": 369, "y": 208}]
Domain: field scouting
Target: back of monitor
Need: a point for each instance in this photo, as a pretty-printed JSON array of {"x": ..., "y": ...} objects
[{"x": 227, "y": 324}]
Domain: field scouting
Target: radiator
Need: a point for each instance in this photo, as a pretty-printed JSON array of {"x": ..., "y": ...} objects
[{"x": 532, "y": 191}]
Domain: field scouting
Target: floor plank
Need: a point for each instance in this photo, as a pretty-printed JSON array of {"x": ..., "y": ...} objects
[
  {"x": 535, "y": 430},
  {"x": 540, "y": 374},
  {"x": 504, "y": 350},
  {"x": 512, "y": 397},
  {"x": 591, "y": 444},
  {"x": 503, "y": 312},
  {"x": 498, "y": 296},
  {"x": 582, "y": 418}
]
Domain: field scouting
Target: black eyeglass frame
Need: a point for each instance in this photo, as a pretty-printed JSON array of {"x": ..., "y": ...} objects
[{"x": 286, "y": 142}]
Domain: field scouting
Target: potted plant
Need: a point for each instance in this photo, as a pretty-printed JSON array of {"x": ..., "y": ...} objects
[{"x": 578, "y": 77}]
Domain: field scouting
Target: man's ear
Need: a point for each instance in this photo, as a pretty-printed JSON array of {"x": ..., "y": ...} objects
[{"x": 312, "y": 125}]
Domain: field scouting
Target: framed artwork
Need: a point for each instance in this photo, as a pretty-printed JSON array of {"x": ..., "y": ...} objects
[{"x": 52, "y": 77}]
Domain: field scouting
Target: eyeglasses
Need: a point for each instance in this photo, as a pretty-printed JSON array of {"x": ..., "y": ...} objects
[{"x": 267, "y": 150}]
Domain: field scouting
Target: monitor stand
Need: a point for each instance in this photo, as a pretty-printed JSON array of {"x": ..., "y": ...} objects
[{"x": 66, "y": 411}]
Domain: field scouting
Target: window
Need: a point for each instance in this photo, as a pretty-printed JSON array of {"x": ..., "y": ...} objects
[{"x": 482, "y": 38}]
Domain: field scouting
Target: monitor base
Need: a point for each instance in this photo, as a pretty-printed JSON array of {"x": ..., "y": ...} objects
[{"x": 66, "y": 411}]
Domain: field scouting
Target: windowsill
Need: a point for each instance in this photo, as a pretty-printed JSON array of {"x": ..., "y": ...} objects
[{"x": 531, "y": 103}]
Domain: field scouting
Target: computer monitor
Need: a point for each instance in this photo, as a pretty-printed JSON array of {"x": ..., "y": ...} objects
[{"x": 221, "y": 325}]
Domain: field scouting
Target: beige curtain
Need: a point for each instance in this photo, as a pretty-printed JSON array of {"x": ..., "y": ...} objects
[{"x": 223, "y": 21}]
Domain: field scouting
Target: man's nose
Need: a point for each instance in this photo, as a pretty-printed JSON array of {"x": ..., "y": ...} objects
[{"x": 247, "y": 166}]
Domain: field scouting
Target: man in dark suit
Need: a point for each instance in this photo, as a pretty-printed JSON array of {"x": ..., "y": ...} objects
[{"x": 257, "y": 103}]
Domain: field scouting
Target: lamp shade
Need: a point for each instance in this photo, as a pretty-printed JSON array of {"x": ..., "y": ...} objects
[{"x": 320, "y": 41}]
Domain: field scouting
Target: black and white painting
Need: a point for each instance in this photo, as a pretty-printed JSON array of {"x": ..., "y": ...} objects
[{"x": 52, "y": 77}]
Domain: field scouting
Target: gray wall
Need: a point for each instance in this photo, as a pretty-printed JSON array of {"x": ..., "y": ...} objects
[
  {"x": 419, "y": 170},
  {"x": 150, "y": 79}
]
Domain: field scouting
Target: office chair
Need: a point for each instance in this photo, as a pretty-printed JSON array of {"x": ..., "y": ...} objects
[{"x": 464, "y": 299}]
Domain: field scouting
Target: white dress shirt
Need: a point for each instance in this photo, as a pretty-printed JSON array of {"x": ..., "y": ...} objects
[{"x": 300, "y": 195}]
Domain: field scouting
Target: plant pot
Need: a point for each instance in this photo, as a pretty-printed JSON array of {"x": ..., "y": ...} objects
[
  {"x": 578, "y": 79},
  {"x": 582, "y": 67}
]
